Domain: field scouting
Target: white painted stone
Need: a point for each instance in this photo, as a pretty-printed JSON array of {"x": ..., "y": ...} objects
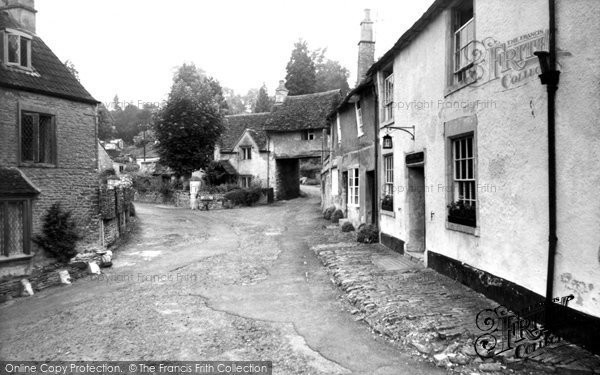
[
  {"x": 93, "y": 268},
  {"x": 26, "y": 289},
  {"x": 65, "y": 278}
]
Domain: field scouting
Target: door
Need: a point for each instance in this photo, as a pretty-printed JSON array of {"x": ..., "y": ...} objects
[
  {"x": 416, "y": 206},
  {"x": 371, "y": 199}
]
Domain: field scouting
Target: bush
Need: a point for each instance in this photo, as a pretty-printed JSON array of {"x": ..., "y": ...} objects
[
  {"x": 367, "y": 234},
  {"x": 347, "y": 227},
  {"x": 244, "y": 197},
  {"x": 59, "y": 234},
  {"x": 328, "y": 212},
  {"x": 222, "y": 189},
  {"x": 336, "y": 216}
]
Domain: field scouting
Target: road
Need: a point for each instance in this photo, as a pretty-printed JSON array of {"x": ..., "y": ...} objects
[{"x": 238, "y": 284}]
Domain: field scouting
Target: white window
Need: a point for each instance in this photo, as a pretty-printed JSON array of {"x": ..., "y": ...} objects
[
  {"x": 308, "y": 135},
  {"x": 464, "y": 41},
  {"x": 353, "y": 187},
  {"x": 245, "y": 181},
  {"x": 388, "y": 183},
  {"x": 339, "y": 128},
  {"x": 335, "y": 186},
  {"x": 246, "y": 153},
  {"x": 462, "y": 208},
  {"x": 359, "y": 121},
  {"x": 16, "y": 49},
  {"x": 388, "y": 98}
]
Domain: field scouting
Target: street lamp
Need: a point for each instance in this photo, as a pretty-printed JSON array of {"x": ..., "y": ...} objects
[
  {"x": 549, "y": 76},
  {"x": 387, "y": 141}
]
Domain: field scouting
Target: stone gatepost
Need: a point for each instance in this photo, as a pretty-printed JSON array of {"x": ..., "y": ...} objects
[{"x": 194, "y": 189}]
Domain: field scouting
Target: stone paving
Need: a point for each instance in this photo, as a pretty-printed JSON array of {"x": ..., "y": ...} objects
[{"x": 428, "y": 313}]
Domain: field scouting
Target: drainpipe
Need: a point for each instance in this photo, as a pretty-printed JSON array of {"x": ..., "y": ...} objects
[
  {"x": 552, "y": 86},
  {"x": 376, "y": 125}
]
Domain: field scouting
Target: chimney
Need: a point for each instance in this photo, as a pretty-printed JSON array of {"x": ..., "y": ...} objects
[
  {"x": 21, "y": 10},
  {"x": 281, "y": 93},
  {"x": 366, "y": 46}
]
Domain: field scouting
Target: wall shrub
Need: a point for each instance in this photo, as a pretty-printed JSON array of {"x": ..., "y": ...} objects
[
  {"x": 336, "y": 216},
  {"x": 328, "y": 212},
  {"x": 59, "y": 234}
]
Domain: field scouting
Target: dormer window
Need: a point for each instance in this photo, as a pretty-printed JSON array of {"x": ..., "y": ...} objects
[{"x": 16, "y": 48}]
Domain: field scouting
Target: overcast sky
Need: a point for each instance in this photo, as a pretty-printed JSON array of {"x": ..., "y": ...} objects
[{"x": 131, "y": 47}]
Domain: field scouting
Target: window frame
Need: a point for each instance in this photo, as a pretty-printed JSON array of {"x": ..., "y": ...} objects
[
  {"x": 335, "y": 182},
  {"x": 246, "y": 152},
  {"x": 27, "y": 225},
  {"x": 339, "y": 128},
  {"x": 388, "y": 97},
  {"x": 359, "y": 118},
  {"x": 354, "y": 187},
  {"x": 36, "y": 112},
  {"x": 459, "y": 77},
  {"x": 245, "y": 181},
  {"x": 5, "y": 34},
  {"x": 388, "y": 181}
]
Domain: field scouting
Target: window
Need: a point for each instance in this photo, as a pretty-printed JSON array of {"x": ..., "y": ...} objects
[
  {"x": 388, "y": 97},
  {"x": 16, "y": 49},
  {"x": 38, "y": 138},
  {"x": 359, "y": 121},
  {"x": 335, "y": 184},
  {"x": 353, "y": 186},
  {"x": 308, "y": 135},
  {"x": 464, "y": 187},
  {"x": 464, "y": 41},
  {"x": 14, "y": 227},
  {"x": 388, "y": 183},
  {"x": 245, "y": 181},
  {"x": 246, "y": 153},
  {"x": 339, "y": 128}
]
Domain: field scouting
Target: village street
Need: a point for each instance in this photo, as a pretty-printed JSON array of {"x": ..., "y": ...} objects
[{"x": 221, "y": 285}]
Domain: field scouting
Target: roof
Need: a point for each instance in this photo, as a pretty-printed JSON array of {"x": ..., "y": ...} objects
[
  {"x": 230, "y": 169},
  {"x": 362, "y": 85},
  {"x": 236, "y": 125},
  {"x": 50, "y": 76},
  {"x": 14, "y": 183},
  {"x": 302, "y": 112},
  {"x": 430, "y": 14}
]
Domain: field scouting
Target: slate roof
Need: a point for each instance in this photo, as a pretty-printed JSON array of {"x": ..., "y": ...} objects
[
  {"x": 49, "y": 76},
  {"x": 235, "y": 125},
  {"x": 14, "y": 183},
  {"x": 302, "y": 112},
  {"x": 229, "y": 168}
]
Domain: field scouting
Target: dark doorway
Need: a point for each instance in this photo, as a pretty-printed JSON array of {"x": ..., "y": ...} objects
[
  {"x": 287, "y": 178},
  {"x": 371, "y": 199},
  {"x": 416, "y": 207}
]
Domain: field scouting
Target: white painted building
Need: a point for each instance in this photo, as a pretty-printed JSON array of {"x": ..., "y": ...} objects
[{"x": 466, "y": 78}]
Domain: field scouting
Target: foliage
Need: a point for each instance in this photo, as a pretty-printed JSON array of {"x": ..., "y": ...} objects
[
  {"x": 336, "y": 216},
  {"x": 387, "y": 203},
  {"x": 144, "y": 137},
  {"x": 328, "y": 212},
  {"x": 59, "y": 234},
  {"x": 263, "y": 102},
  {"x": 106, "y": 124},
  {"x": 367, "y": 234},
  {"x": 310, "y": 71},
  {"x": 103, "y": 175},
  {"x": 347, "y": 227},
  {"x": 223, "y": 188},
  {"x": 71, "y": 67},
  {"x": 245, "y": 197},
  {"x": 461, "y": 213},
  {"x": 190, "y": 124},
  {"x": 235, "y": 102},
  {"x": 131, "y": 167},
  {"x": 301, "y": 74}
]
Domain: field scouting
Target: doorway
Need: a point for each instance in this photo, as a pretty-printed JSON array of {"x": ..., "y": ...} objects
[
  {"x": 371, "y": 199},
  {"x": 416, "y": 209}
]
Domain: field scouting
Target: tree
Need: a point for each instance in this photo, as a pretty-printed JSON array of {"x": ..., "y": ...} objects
[
  {"x": 250, "y": 99},
  {"x": 301, "y": 72},
  {"x": 190, "y": 123},
  {"x": 71, "y": 67},
  {"x": 332, "y": 76},
  {"x": 106, "y": 127},
  {"x": 235, "y": 102},
  {"x": 116, "y": 104},
  {"x": 127, "y": 123},
  {"x": 263, "y": 102}
]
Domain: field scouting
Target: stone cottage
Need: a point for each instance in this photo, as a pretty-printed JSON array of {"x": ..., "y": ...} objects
[
  {"x": 466, "y": 152},
  {"x": 348, "y": 178},
  {"x": 267, "y": 147},
  {"x": 48, "y": 143}
]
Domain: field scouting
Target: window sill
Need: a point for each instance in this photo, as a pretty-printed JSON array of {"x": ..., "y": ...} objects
[
  {"x": 386, "y": 123},
  {"x": 388, "y": 213},
  {"x": 463, "y": 228},
  {"x": 457, "y": 87},
  {"x": 15, "y": 258},
  {"x": 36, "y": 165}
]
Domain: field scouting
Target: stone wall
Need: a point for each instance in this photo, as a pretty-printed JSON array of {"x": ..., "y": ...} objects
[{"x": 116, "y": 211}]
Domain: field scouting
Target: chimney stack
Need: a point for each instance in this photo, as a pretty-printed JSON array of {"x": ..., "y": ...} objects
[
  {"x": 21, "y": 10},
  {"x": 366, "y": 46},
  {"x": 281, "y": 93}
]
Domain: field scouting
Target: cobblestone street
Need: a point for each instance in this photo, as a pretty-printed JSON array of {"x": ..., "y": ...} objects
[{"x": 237, "y": 284}]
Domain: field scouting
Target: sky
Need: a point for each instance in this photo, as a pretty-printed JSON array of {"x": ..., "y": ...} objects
[{"x": 131, "y": 48}]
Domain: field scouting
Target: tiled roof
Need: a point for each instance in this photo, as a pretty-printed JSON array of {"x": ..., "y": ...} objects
[
  {"x": 235, "y": 126},
  {"x": 230, "y": 169},
  {"x": 14, "y": 183},
  {"x": 50, "y": 76},
  {"x": 303, "y": 112}
]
